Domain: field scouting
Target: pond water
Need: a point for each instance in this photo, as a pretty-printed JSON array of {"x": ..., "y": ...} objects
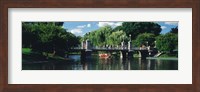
[{"x": 96, "y": 63}]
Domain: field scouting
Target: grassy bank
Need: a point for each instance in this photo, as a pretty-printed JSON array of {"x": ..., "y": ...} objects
[
  {"x": 161, "y": 56},
  {"x": 167, "y": 55},
  {"x": 29, "y": 56}
]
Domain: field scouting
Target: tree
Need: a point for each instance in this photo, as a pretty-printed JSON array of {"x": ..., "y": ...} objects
[
  {"x": 167, "y": 42},
  {"x": 174, "y": 30},
  {"x": 51, "y": 38},
  {"x": 118, "y": 28},
  {"x": 136, "y": 28},
  {"x": 28, "y": 36},
  {"x": 47, "y": 37},
  {"x": 145, "y": 39},
  {"x": 98, "y": 37},
  {"x": 116, "y": 38}
]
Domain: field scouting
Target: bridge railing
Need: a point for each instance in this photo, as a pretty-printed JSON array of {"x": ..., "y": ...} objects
[
  {"x": 115, "y": 48},
  {"x": 76, "y": 48},
  {"x": 109, "y": 48}
]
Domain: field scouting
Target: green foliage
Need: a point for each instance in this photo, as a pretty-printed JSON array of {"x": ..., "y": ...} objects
[
  {"x": 26, "y": 50},
  {"x": 116, "y": 38},
  {"x": 136, "y": 28},
  {"x": 174, "y": 30},
  {"x": 118, "y": 28},
  {"x": 98, "y": 37},
  {"x": 28, "y": 34},
  {"x": 167, "y": 42},
  {"x": 144, "y": 39},
  {"x": 108, "y": 36},
  {"x": 47, "y": 37},
  {"x": 142, "y": 33}
]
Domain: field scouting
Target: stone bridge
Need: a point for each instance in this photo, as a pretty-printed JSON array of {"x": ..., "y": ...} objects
[{"x": 125, "y": 51}]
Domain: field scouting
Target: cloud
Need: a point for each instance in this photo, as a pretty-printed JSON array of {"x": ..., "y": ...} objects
[
  {"x": 102, "y": 24},
  {"x": 171, "y": 23},
  {"x": 118, "y": 24},
  {"x": 163, "y": 27},
  {"x": 82, "y": 26},
  {"x": 88, "y": 25},
  {"x": 112, "y": 24},
  {"x": 77, "y": 31}
]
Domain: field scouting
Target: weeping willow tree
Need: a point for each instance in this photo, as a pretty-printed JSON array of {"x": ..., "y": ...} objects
[{"x": 116, "y": 38}]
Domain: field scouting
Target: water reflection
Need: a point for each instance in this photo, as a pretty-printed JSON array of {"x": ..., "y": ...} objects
[{"x": 96, "y": 63}]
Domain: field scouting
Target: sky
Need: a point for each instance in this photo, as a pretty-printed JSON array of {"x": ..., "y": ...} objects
[{"x": 81, "y": 28}]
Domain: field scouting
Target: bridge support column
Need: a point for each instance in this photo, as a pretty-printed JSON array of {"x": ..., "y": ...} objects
[
  {"x": 86, "y": 54},
  {"x": 83, "y": 45},
  {"x": 129, "y": 45},
  {"x": 88, "y": 47},
  {"x": 123, "y": 55},
  {"x": 83, "y": 55},
  {"x": 130, "y": 54},
  {"x": 85, "y": 65},
  {"x": 143, "y": 54},
  {"x": 123, "y": 45},
  {"x": 139, "y": 54}
]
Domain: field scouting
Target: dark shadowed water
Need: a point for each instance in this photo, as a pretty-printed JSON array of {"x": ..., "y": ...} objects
[{"x": 96, "y": 63}]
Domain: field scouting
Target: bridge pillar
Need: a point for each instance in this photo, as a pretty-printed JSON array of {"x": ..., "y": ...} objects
[
  {"x": 130, "y": 54},
  {"x": 129, "y": 45},
  {"x": 143, "y": 54},
  {"x": 123, "y": 45},
  {"x": 83, "y": 45},
  {"x": 130, "y": 51},
  {"x": 88, "y": 47},
  {"x": 123, "y": 55},
  {"x": 83, "y": 55},
  {"x": 86, "y": 54},
  {"x": 85, "y": 64}
]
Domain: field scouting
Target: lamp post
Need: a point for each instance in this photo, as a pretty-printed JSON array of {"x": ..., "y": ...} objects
[
  {"x": 130, "y": 36},
  {"x": 129, "y": 43},
  {"x": 123, "y": 38},
  {"x": 122, "y": 43},
  {"x": 147, "y": 43}
]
